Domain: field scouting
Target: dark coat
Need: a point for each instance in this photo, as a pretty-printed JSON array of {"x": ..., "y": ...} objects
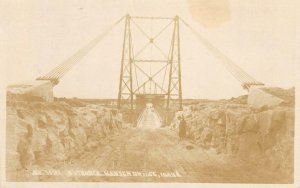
[{"x": 182, "y": 130}]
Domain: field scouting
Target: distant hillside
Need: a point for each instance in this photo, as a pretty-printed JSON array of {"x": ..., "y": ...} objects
[
  {"x": 288, "y": 95},
  {"x": 77, "y": 102}
]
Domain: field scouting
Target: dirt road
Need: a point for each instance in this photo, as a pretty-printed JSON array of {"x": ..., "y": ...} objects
[
  {"x": 155, "y": 155},
  {"x": 150, "y": 154}
]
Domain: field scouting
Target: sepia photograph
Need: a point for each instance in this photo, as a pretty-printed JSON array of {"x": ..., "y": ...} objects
[{"x": 149, "y": 91}]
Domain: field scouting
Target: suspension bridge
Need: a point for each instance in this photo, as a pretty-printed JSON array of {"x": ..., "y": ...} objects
[
  {"x": 150, "y": 90},
  {"x": 151, "y": 76}
]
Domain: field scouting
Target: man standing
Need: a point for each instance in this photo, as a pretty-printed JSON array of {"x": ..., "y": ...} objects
[
  {"x": 119, "y": 119},
  {"x": 182, "y": 127}
]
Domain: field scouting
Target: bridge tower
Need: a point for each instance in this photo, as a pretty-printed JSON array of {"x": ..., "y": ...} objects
[
  {"x": 149, "y": 76},
  {"x": 152, "y": 73}
]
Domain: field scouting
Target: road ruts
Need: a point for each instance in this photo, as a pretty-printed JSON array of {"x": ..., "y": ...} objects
[{"x": 159, "y": 150}]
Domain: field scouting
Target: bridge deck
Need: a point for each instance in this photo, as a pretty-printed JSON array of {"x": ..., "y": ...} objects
[{"x": 149, "y": 119}]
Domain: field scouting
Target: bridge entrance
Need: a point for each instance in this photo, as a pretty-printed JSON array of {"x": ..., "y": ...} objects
[
  {"x": 150, "y": 106},
  {"x": 150, "y": 110},
  {"x": 146, "y": 100}
]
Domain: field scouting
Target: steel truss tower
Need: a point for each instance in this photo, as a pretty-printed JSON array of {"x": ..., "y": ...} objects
[{"x": 135, "y": 78}]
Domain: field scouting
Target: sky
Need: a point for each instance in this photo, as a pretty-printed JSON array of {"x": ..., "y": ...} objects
[{"x": 259, "y": 36}]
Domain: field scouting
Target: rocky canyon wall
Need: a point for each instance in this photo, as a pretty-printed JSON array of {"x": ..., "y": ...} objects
[
  {"x": 259, "y": 136},
  {"x": 41, "y": 133}
]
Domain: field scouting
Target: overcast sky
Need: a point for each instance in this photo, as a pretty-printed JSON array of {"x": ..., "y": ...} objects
[{"x": 260, "y": 36}]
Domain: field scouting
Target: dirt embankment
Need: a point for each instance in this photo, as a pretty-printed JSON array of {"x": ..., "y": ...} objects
[
  {"x": 40, "y": 133},
  {"x": 263, "y": 137}
]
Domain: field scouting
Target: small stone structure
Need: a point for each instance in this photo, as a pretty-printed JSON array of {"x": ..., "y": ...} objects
[
  {"x": 258, "y": 97},
  {"x": 32, "y": 90}
]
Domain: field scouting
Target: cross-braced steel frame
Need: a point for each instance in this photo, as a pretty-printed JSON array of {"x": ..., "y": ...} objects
[{"x": 170, "y": 84}]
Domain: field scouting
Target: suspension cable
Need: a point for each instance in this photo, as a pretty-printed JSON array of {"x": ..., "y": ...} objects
[
  {"x": 59, "y": 71},
  {"x": 234, "y": 69}
]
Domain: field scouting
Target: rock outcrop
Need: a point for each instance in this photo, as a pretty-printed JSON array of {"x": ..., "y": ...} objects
[
  {"x": 261, "y": 136},
  {"x": 40, "y": 133}
]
